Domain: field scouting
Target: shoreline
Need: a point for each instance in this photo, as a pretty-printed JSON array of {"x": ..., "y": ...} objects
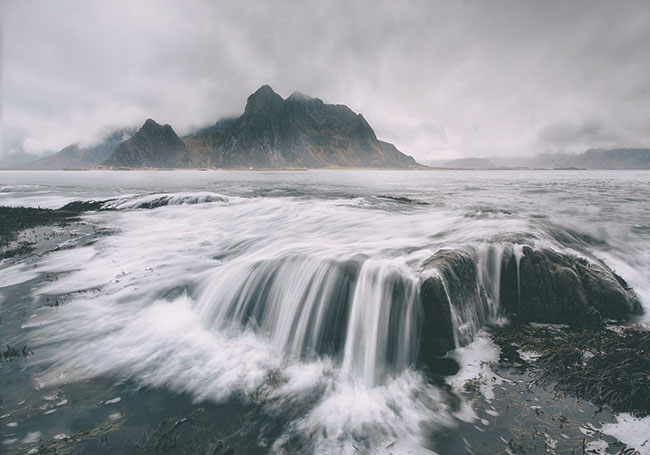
[
  {"x": 530, "y": 407},
  {"x": 297, "y": 169}
]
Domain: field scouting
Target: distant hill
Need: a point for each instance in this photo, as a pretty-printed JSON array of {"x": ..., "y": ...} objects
[
  {"x": 154, "y": 145},
  {"x": 614, "y": 159},
  {"x": 622, "y": 158},
  {"x": 467, "y": 163},
  {"x": 79, "y": 156}
]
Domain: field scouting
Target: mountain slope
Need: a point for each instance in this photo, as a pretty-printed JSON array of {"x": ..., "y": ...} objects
[
  {"x": 78, "y": 156},
  {"x": 154, "y": 145},
  {"x": 297, "y": 132}
]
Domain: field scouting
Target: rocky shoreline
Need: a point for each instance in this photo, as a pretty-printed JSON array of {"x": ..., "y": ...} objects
[
  {"x": 609, "y": 366},
  {"x": 561, "y": 336}
]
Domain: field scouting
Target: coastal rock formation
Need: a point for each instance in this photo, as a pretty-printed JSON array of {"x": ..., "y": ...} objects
[
  {"x": 551, "y": 287},
  {"x": 453, "y": 303},
  {"x": 460, "y": 296},
  {"x": 154, "y": 145}
]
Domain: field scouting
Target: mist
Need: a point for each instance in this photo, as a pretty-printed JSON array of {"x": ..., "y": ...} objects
[{"x": 438, "y": 79}]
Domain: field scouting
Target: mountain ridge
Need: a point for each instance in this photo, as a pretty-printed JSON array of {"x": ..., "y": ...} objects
[{"x": 299, "y": 131}]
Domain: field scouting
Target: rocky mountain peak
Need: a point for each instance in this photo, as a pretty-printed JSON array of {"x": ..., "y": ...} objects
[
  {"x": 150, "y": 124},
  {"x": 154, "y": 145},
  {"x": 299, "y": 96},
  {"x": 263, "y": 100}
]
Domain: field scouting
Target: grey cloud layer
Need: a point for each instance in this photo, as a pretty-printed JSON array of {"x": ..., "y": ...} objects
[{"x": 439, "y": 79}]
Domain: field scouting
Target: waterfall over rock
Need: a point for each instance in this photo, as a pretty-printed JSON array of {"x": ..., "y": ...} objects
[
  {"x": 363, "y": 312},
  {"x": 472, "y": 286}
]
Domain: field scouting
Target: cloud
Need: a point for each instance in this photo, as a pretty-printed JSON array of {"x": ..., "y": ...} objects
[{"x": 439, "y": 79}]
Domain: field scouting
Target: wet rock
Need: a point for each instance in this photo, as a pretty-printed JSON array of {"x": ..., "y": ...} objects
[
  {"x": 14, "y": 219},
  {"x": 437, "y": 332},
  {"x": 82, "y": 206},
  {"x": 12, "y": 352},
  {"x": 453, "y": 305},
  {"x": 19, "y": 249},
  {"x": 551, "y": 287},
  {"x": 544, "y": 286}
]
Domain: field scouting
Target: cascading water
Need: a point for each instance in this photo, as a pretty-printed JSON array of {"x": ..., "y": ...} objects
[
  {"x": 383, "y": 323},
  {"x": 361, "y": 311}
]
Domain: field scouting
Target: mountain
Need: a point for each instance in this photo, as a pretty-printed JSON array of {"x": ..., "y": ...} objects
[
  {"x": 610, "y": 159},
  {"x": 466, "y": 163},
  {"x": 14, "y": 159},
  {"x": 154, "y": 145},
  {"x": 613, "y": 159},
  {"x": 299, "y": 131},
  {"x": 79, "y": 156},
  {"x": 620, "y": 158}
]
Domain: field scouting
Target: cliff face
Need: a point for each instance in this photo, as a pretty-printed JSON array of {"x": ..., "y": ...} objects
[
  {"x": 154, "y": 145},
  {"x": 297, "y": 132}
]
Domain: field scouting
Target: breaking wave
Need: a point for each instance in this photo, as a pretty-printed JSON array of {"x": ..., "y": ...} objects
[{"x": 152, "y": 201}]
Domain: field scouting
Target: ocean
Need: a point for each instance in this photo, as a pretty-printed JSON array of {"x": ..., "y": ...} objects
[{"x": 278, "y": 312}]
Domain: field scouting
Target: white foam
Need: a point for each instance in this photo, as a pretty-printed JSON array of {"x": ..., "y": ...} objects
[
  {"x": 633, "y": 431},
  {"x": 162, "y": 199},
  {"x": 16, "y": 274},
  {"x": 31, "y": 438},
  {"x": 474, "y": 360}
]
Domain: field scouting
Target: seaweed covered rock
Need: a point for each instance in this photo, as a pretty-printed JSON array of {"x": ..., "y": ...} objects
[
  {"x": 534, "y": 286},
  {"x": 547, "y": 286},
  {"x": 607, "y": 367},
  {"x": 15, "y": 219}
]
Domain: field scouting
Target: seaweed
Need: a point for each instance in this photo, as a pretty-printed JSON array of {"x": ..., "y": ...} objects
[
  {"x": 606, "y": 367},
  {"x": 13, "y": 352},
  {"x": 15, "y": 219}
]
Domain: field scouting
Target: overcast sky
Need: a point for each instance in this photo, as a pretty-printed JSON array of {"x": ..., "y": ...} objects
[{"x": 439, "y": 79}]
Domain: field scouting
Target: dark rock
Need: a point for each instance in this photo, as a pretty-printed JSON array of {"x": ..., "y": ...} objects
[
  {"x": 546, "y": 287},
  {"x": 11, "y": 352},
  {"x": 14, "y": 219},
  {"x": 437, "y": 330},
  {"x": 561, "y": 288},
  {"x": 443, "y": 366},
  {"x": 457, "y": 280},
  {"x": 82, "y": 206}
]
